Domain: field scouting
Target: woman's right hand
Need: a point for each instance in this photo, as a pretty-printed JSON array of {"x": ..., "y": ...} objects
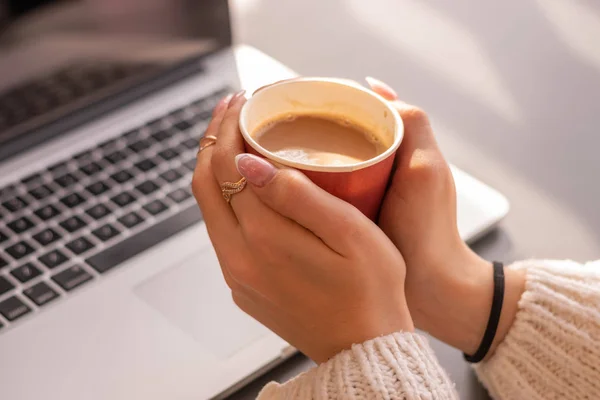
[{"x": 448, "y": 287}]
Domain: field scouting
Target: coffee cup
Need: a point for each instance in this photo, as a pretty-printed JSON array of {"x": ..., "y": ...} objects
[{"x": 361, "y": 184}]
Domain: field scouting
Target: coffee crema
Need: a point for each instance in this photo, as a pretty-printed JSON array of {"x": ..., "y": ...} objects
[{"x": 318, "y": 140}]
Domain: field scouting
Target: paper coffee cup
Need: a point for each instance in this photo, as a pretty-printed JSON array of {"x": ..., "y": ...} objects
[{"x": 362, "y": 184}]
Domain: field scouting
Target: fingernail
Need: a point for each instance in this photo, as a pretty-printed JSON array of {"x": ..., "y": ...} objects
[
  {"x": 378, "y": 85},
  {"x": 236, "y": 97},
  {"x": 256, "y": 170},
  {"x": 222, "y": 105}
]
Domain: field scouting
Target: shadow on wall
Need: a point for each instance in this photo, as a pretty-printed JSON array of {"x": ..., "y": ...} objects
[{"x": 519, "y": 80}]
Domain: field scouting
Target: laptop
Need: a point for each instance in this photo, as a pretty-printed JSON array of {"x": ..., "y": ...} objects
[{"x": 109, "y": 286}]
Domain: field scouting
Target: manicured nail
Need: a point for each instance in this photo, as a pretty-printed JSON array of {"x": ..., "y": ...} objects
[
  {"x": 382, "y": 88},
  {"x": 236, "y": 97},
  {"x": 222, "y": 105},
  {"x": 256, "y": 170}
]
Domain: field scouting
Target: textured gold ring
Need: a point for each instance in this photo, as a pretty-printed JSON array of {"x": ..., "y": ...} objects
[{"x": 230, "y": 188}]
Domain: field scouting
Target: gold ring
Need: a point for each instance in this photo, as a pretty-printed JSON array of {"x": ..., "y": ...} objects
[
  {"x": 230, "y": 188},
  {"x": 208, "y": 141}
]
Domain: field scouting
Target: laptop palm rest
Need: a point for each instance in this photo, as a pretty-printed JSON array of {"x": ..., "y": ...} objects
[{"x": 194, "y": 297}]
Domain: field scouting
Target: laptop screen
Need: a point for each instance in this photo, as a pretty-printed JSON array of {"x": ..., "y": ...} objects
[{"x": 60, "y": 59}]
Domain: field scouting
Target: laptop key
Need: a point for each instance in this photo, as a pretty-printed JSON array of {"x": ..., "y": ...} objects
[
  {"x": 32, "y": 179},
  {"x": 91, "y": 169},
  {"x": 155, "y": 207},
  {"x": 41, "y": 192},
  {"x": 140, "y": 145},
  {"x": 5, "y": 285},
  {"x": 26, "y": 272},
  {"x": 40, "y": 293},
  {"x": 80, "y": 245},
  {"x": 171, "y": 175},
  {"x": 131, "y": 219},
  {"x": 168, "y": 154},
  {"x": 66, "y": 180},
  {"x": 179, "y": 195},
  {"x": 20, "y": 225},
  {"x": 13, "y": 308},
  {"x": 20, "y": 250},
  {"x": 8, "y": 190},
  {"x": 183, "y": 125},
  {"x": 145, "y": 165},
  {"x": 15, "y": 204},
  {"x": 97, "y": 188},
  {"x": 47, "y": 212},
  {"x": 116, "y": 157},
  {"x": 176, "y": 114},
  {"x": 84, "y": 157},
  {"x": 190, "y": 164},
  {"x": 3, "y": 237},
  {"x": 133, "y": 136},
  {"x": 106, "y": 232},
  {"x": 72, "y": 277},
  {"x": 110, "y": 144},
  {"x": 190, "y": 143},
  {"x": 155, "y": 124},
  {"x": 98, "y": 211},
  {"x": 46, "y": 236},
  {"x": 162, "y": 135},
  {"x": 59, "y": 168},
  {"x": 121, "y": 176},
  {"x": 73, "y": 200},
  {"x": 53, "y": 259},
  {"x": 72, "y": 224},
  {"x": 3, "y": 263},
  {"x": 135, "y": 244},
  {"x": 123, "y": 199},
  {"x": 147, "y": 187}
]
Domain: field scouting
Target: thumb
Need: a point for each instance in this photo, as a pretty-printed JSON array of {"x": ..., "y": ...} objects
[
  {"x": 418, "y": 133},
  {"x": 291, "y": 194}
]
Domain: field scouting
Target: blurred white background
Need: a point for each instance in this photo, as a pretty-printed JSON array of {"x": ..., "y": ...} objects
[{"x": 513, "y": 89}]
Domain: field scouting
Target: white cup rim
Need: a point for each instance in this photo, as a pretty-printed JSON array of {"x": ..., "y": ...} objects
[{"x": 398, "y": 134}]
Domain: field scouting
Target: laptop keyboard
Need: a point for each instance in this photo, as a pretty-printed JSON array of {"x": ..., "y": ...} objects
[
  {"x": 71, "y": 83},
  {"x": 66, "y": 226}
]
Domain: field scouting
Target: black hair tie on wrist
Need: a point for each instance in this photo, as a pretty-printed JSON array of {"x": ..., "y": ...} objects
[{"x": 492, "y": 326}]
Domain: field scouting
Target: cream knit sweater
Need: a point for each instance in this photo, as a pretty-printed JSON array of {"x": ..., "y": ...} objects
[{"x": 552, "y": 351}]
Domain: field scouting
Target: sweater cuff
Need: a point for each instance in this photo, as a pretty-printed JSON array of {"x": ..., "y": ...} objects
[
  {"x": 396, "y": 366},
  {"x": 551, "y": 351}
]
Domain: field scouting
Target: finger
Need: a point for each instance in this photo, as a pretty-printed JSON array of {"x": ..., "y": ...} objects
[
  {"x": 218, "y": 216},
  {"x": 417, "y": 129},
  {"x": 229, "y": 145},
  {"x": 291, "y": 194},
  {"x": 212, "y": 130},
  {"x": 419, "y": 147},
  {"x": 382, "y": 89}
]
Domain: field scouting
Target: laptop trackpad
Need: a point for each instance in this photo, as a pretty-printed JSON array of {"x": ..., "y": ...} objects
[{"x": 194, "y": 297}]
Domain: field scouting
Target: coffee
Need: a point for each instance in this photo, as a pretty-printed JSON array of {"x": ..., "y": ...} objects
[{"x": 318, "y": 140}]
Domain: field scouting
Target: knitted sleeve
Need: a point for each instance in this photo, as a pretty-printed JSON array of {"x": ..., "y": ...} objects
[
  {"x": 552, "y": 351},
  {"x": 396, "y": 366}
]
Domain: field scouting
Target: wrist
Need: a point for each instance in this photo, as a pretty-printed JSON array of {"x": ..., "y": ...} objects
[{"x": 458, "y": 306}]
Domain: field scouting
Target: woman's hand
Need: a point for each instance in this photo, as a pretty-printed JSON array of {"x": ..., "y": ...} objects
[
  {"x": 307, "y": 265},
  {"x": 448, "y": 287}
]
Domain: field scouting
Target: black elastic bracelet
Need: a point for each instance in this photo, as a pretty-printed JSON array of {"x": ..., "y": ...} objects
[{"x": 490, "y": 331}]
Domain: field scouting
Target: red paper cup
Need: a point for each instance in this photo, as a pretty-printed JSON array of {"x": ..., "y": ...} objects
[{"x": 362, "y": 184}]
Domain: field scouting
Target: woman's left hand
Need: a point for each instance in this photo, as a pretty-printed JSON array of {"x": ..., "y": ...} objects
[{"x": 307, "y": 265}]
